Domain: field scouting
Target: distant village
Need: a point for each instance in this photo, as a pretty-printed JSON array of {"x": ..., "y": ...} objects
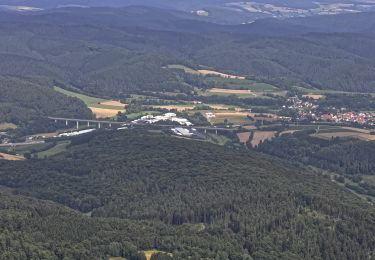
[{"x": 307, "y": 110}]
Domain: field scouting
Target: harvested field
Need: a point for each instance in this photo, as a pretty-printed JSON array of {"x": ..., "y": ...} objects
[
  {"x": 219, "y": 74},
  {"x": 105, "y": 112},
  {"x": 231, "y": 91},
  {"x": 179, "y": 108},
  {"x": 244, "y": 137},
  {"x": 233, "y": 117},
  {"x": 359, "y": 135},
  {"x": 249, "y": 127},
  {"x": 6, "y": 126},
  {"x": 10, "y": 157},
  {"x": 113, "y": 103},
  {"x": 260, "y": 136}
]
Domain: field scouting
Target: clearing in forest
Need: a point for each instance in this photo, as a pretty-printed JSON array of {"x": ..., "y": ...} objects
[
  {"x": 102, "y": 108},
  {"x": 261, "y": 136},
  {"x": 150, "y": 253},
  {"x": 105, "y": 112},
  {"x": 244, "y": 137},
  {"x": 219, "y": 74},
  {"x": 113, "y": 103}
]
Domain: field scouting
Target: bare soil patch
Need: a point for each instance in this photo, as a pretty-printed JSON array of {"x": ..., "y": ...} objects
[
  {"x": 10, "y": 157},
  {"x": 113, "y": 103},
  {"x": 261, "y": 136},
  {"x": 244, "y": 137}
]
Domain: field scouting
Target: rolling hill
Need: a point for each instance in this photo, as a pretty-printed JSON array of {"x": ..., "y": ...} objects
[
  {"x": 108, "y": 51},
  {"x": 190, "y": 198}
]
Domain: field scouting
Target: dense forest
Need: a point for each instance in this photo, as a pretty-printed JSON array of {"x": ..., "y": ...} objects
[
  {"x": 26, "y": 104},
  {"x": 348, "y": 157},
  {"x": 116, "y": 51},
  {"x": 191, "y": 198}
]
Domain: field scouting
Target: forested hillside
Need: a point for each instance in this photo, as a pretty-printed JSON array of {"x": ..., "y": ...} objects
[
  {"x": 25, "y": 103},
  {"x": 348, "y": 157},
  {"x": 116, "y": 51},
  {"x": 203, "y": 200}
]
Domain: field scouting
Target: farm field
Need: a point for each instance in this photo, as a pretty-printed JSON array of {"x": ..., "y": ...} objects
[
  {"x": 245, "y": 92},
  {"x": 245, "y": 84},
  {"x": 233, "y": 117},
  {"x": 314, "y": 96},
  {"x": 150, "y": 253},
  {"x": 102, "y": 108},
  {"x": 346, "y": 134},
  {"x": 58, "y": 148},
  {"x": 24, "y": 148},
  {"x": 104, "y": 112},
  {"x": 10, "y": 157},
  {"x": 179, "y": 108},
  {"x": 310, "y": 91},
  {"x": 184, "y": 68},
  {"x": 244, "y": 137},
  {"x": 219, "y": 74},
  {"x": 260, "y": 136},
  {"x": 7, "y": 126}
]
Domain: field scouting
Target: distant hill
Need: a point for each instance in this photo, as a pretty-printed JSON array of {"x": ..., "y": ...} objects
[
  {"x": 110, "y": 51},
  {"x": 189, "y": 198},
  {"x": 218, "y": 11},
  {"x": 27, "y": 103}
]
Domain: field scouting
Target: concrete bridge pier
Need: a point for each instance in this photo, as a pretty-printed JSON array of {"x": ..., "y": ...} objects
[
  {"x": 205, "y": 131},
  {"x": 88, "y": 123},
  {"x": 99, "y": 125},
  {"x": 66, "y": 122},
  {"x": 110, "y": 125},
  {"x": 216, "y": 131},
  {"x": 77, "y": 125}
]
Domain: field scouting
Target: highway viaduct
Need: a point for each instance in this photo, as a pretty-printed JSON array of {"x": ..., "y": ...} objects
[{"x": 102, "y": 123}]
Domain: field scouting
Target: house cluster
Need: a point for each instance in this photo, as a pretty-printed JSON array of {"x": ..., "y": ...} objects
[
  {"x": 150, "y": 119},
  {"x": 305, "y": 109},
  {"x": 350, "y": 117}
]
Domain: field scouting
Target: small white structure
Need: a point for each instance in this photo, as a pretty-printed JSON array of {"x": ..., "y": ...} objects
[
  {"x": 149, "y": 119},
  {"x": 182, "y": 131},
  {"x": 76, "y": 133},
  {"x": 210, "y": 115}
]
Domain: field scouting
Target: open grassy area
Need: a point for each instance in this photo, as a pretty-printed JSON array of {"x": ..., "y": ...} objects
[
  {"x": 7, "y": 126},
  {"x": 184, "y": 68},
  {"x": 322, "y": 92},
  {"x": 242, "y": 84},
  {"x": 102, "y": 108},
  {"x": 58, "y": 148},
  {"x": 25, "y": 148},
  {"x": 89, "y": 101}
]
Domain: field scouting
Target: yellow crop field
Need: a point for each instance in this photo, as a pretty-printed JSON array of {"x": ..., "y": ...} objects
[{"x": 10, "y": 157}]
